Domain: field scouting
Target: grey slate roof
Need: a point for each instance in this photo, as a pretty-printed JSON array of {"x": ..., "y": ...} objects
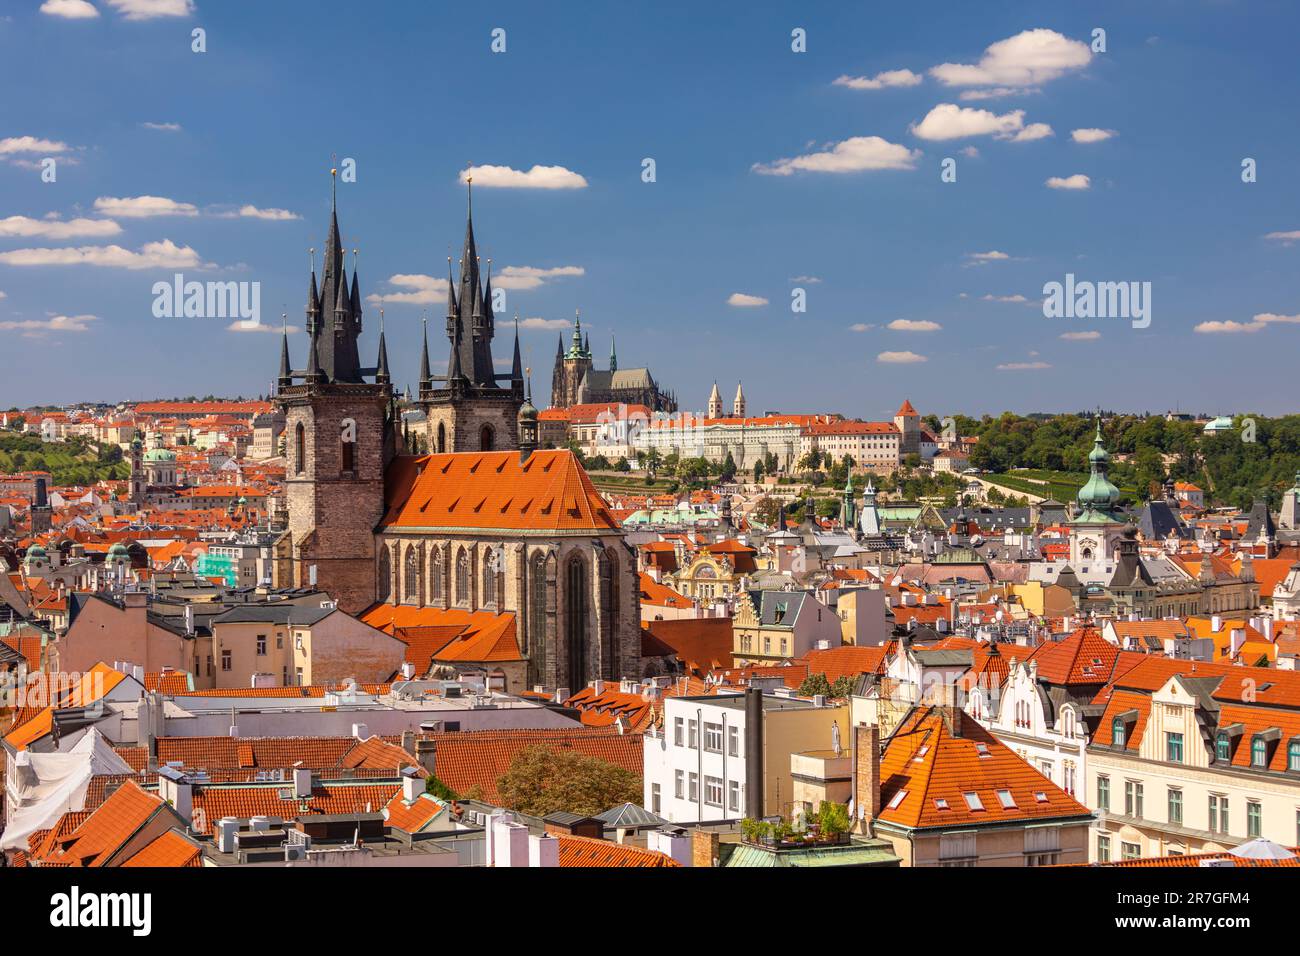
[{"x": 629, "y": 815}]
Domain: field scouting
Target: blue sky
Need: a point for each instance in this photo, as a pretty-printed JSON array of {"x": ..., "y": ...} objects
[{"x": 715, "y": 95}]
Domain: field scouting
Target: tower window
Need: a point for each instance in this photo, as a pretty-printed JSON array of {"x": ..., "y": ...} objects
[
  {"x": 485, "y": 438},
  {"x": 348, "y": 455},
  {"x": 299, "y": 449}
]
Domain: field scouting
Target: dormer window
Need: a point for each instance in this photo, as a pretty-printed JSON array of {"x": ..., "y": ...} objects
[
  {"x": 1118, "y": 732},
  {"x": 1293, "y": 755},
  {"x": 1258, "y": 752},
  {"x": 1223, "y": 747}
]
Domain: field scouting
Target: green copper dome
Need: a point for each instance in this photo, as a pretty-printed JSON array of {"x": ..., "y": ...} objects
[
  {"x": 1098, "y": 494},
  {"x": 117, "y": 548},
  {"x": 159, "y": 454}
]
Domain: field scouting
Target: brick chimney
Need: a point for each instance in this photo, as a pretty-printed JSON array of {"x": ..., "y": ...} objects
[
  {"x": 866, "y": 774},
  {"x": 426, "y": 755},
  {"x": 704, "y": 847}
]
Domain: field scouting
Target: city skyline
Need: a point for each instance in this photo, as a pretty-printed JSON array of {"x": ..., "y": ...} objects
[{"x": 1085, "y": 164}]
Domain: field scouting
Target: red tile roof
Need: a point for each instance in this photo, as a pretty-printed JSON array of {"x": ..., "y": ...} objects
[
  {"x": 172, "y": 849},
  {"x": 577, "y": 851}
]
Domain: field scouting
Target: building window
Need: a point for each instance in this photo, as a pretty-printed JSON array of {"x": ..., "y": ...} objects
[
  {"x": 485, "y": 438},
  {"x": 1132, "y": 798},
  {"x": 693, "y": 734},
  {"x": 1006, "y": 799},
  {"x": 655, "y": 798},
  {"x": 1218, "y": 814},
  {"x": 713, "y": 791},
  {"x": 1174, "y": 747},
  {"x": 299, "y": 449},
  {"x": 261, "y": 645},
  {"x": 348, "y": 448},
  {"x": 1223, "y": 748},
  {"x": 713, "y": 738},
  {"x": 225, "y": 661},
  {"x": 679, "y": 785},
  {"x": 733, "y": 741},
  {"x": 973, "y": 801},
  {"x": 1130, "y": 851},
  {"x": 1117, "y": 732},
  {"x": 385, "y": 573},
  {"x": 411, "y": 585},
  {"x": 1254, "y": 819},
  {"x": 435, "y": 577},
  {"x": 462, "y": 577},
  {"x": 733, "y": 796},
  {"x": 1175, "y": 806},
  {"x": 1293, "y": 755},
  {"x": 1259, "y": 752},
  {"x": 1103, "y": 848},
  {"x": 490, "y": 581},
  {"x": 1103, "y": 793},
  {"x": 693, "y": 791},
  {"x": 679, "y": 731}
]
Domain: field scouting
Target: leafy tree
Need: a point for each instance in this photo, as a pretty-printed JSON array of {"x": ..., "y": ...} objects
[
  {"x": 541, "y": 781},
  {"x": 815, "y": 685},
  {"x": 833, "y": 818},
  {"x": 728, "y": 468},
  {"x": 439, "y": 789}
]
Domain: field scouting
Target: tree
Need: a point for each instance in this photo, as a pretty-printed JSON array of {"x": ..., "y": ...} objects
[
  {"x": 439, "y": 789},
  {"x": 832, "y": 818},
  {"x": 541, "y": 781},
  {"x": 815, "y": 685},
  {"x": 728, "y": 468},
  {"x": 758, "y": 471}
]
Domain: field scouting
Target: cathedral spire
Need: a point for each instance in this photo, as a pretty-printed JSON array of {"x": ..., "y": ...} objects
[
  {"x": 426, "y": 380},
  {"x": 286, "y": 376},
  {"x": 613, "y": 354},
  {"x": 516, "y": 366},
  {"x": 381, "y": 370}
]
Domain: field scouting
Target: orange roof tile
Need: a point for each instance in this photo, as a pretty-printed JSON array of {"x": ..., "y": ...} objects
[
  {"x": 577, "y": 851},
  {"x": 243, "y": 802},
  {"x": 172, "y": 849},
  {"x": 548, "y": 492}
]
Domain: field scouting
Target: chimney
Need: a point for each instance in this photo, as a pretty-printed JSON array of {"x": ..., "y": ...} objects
[
  {"x": 360, "y": 731},
  {"x": 412, "y": 784},
  {"x": 704, "y": 848},
  {"x": 509, "y": 843},
  {"x": 1236, "y": 638},
  {"x": 408, "y": 741},
  {"x": 561, "y": 694},
  {"x": 301, "y": 782},
  {"x": 866, "y": 774},
  {"x": 754, "y": 778},
  {"x": 426, "y": 755},
  {"x": 543, "y": 850}
]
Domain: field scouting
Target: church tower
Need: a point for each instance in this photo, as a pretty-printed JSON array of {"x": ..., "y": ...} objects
[
  {"x": 342, "y": 430},
  {"x": 472, "y": 407},
  {"x": 1096, "y": 531},
  {"x": 715, "y": 402},
  {"x": 738, "y": 406}
]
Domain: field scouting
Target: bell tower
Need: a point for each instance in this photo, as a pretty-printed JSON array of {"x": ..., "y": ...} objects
[{"x": 341, "y": 432}]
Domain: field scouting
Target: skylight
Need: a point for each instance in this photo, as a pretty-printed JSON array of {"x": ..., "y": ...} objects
[
  {"x": 973, "y": 800},
  {"x": 897, "y": 799},
  {"x": 1006, "y": 799}
]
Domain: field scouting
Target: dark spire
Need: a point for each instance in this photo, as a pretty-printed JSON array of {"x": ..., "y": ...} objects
[
  {"x": 613, "y": 354},
  {"x": 516, "y": 367},
  {"x": 286, "y": 377},
  {"x": 426, "y": 381},
  {"x": 339, "y": 325},
  {"x": 559, "y": 355},
  {"x": 452, "y": 311},
  {"x": 313, "y": 298},
  {"x": 356, "y": 293},
  {"x": 453, "y": 367},
  {"x": 381, "y": 370},
  {"x": 488, "y": 317},
  {"x": 313, "y": 362}
]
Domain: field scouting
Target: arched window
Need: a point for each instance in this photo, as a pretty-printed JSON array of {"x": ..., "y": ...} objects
[
  {"x": 485, "y": 438},
  {"x": 299, "y": 449},
  {"x": 490, "y": 567},
  {"x": 1118, "y": 735},
  {"x": 435, "y": 577},
  {"x": 462, "y": 577},
  {"x": 535, "y": 638},
  {"x": 411, "y": 586},
  {"x": 385, "y": 572},
  {"x": 442, "y": 438},
  {"x": 1068, "y": 723},
  {"x": 611, "y": 663},
  {"x": 575, "y": 621},
  {"x": 348, "y": 447}
]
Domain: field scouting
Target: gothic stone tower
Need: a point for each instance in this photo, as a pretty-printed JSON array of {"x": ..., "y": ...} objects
[
  {"x": 571, "y": 370},
  {"x": 341, "y": 433},
  {"x": 472, "y": 407}
]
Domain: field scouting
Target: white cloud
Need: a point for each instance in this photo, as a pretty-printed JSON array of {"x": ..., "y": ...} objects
[
  {"x": 239, "y": 326},
  {"x": 538, "y": 177},
  {"x": 22, "y": 226},
  {"x": 996, "y": 93},
  {"x": 1029, "y": 57},
  {"x": 55, "y": 323},
  {"x": 1227, "y": 328},
  {"x": 853, "y": 155},
  {"x": 422, "y": 290},
  {"x": 806, "y": 280},
  {"x": 534, "y": 322},
  {"x": 989, "y": 297},
  {"x": 742, "y": 301},
  {"x": 1284, "y": 237},
  {"x": 880, "y": 80},
  {"x": 984, "y": 258},
  {"x": 31, "y": 144},
  {"x": 970, "y": 152},
  {"x": 1077, "y": 181},
  {"x": 152, "y": 255},
  {"x": 914, "y": 325},
  {"x": 1022, "y": 366},
  {"x": 1032, "y": 132},
  {"x": 950, "y": 121},
  {"x": 163, "y": 127},
  {"x": 150, "y": 9},
  {"x": 899, "y": 358},
  {"x": 523, "y": 278},
  {"x": 861, "y": 327},
  {"x": 1091, "y": 135},
  {"x": 142, "y": 207},
  {"x": 1080, "y": 336},
  {"x": 69, "y": 9},
  {"x": 1273, "y": 317},
  {"x": 276, "y": 215}
]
